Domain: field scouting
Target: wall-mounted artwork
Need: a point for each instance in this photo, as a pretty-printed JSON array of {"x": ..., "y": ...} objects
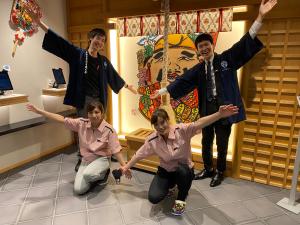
[
  {"x": 21, "y": 21},
  {"x": 182, "y": 56}
]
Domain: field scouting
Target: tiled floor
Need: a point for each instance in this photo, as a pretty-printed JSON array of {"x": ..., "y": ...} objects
[{"x": 42, "y": 195}]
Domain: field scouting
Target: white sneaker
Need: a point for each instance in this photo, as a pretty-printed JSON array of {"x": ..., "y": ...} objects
[{"x": 178, "y": 208}]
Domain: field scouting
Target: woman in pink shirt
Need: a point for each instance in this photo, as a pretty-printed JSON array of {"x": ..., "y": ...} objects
[
  {"x": 172, "y": 144},
  {"x": 97, "y": 142}
]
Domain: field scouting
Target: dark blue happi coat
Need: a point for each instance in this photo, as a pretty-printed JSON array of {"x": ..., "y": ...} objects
[
  {"x": 225, "y": 66},
  {"x": 75, "y": 57}
]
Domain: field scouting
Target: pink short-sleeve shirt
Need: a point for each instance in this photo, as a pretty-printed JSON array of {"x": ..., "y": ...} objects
[
  {"x": 93, "y": 143},
  {"x": 173, "y": 151}
]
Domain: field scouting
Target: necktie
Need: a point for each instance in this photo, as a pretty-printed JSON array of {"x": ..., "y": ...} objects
[{"x": 209, "y": 82}]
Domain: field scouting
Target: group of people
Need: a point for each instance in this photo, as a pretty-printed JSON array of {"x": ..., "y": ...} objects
[{"x": 220, "y": 105}]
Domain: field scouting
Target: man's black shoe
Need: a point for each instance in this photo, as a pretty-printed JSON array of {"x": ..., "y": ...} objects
[
  {"x": 217, "y": 179},
  {"x": 204, "y": 174}
]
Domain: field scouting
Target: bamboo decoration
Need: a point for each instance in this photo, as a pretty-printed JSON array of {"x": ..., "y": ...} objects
[{"x": 166, "y": 98}]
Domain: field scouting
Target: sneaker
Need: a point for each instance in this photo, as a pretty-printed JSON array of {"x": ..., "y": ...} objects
[{"x": 178, "y": 208}]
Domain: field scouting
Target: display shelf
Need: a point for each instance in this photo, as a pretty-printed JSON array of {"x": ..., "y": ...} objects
[
  {"x": 54, "y": 91},
  {"x": 13, "y": 99}
]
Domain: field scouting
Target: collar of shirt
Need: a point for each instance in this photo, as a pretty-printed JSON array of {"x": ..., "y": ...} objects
[
  {"x": 211, "y": 59},
  {"x": 101, "y": 126},
  {"x": 171, "y": 133}
]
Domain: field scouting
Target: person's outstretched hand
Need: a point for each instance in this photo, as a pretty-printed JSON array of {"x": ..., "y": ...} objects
[
  {"x": 32, "y": 108},
  {"x": 265, "y": 7},
  {"x": 132, "y": 89},
  {"x": 228, "y": 110},
  {"x": 155, "y": 95}
]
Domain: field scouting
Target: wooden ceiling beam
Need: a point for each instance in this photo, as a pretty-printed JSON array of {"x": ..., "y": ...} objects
[{"x": 98, "y": 11}]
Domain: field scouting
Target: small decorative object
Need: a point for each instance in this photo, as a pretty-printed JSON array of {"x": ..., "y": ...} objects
[
  {"x": 117, "y": 175},
  {"x": 21, "y": 21}
]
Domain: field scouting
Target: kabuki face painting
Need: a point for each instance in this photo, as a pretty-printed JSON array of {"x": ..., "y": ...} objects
[{"x": 182, "y": 56}]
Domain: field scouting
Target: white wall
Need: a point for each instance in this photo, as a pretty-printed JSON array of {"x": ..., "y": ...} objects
[
  {"x": 31, "y": 68},
  {"x": 30, "y": 73}
]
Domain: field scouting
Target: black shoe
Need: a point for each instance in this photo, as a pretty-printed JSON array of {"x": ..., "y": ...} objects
[
  {"x": 78, "y": 165},
  {"x": 204, "y": 174},
  {"x": 117, "y": 173},
  {"x": 217, "y": 179}
]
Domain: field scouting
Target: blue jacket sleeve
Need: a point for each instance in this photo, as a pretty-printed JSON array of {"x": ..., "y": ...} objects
[
  {"x": 185, "y": 83},
  {"x": 58, "y": 46},
  {"x": 114, "y": 80},
  {"x": 242, "y": 51}
]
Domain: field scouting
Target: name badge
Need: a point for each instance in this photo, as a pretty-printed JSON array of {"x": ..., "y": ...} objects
[{"x": 224, "y": 64}]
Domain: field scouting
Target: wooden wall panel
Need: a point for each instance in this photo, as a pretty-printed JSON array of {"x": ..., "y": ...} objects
[
  {"x": 270, "y": 85},
  {"x": 85, "y": 12}
]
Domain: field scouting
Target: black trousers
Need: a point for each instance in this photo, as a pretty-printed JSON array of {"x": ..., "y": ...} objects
[
  {"x": 222, "y": 130},
  {"x": 163, "y": 180}
]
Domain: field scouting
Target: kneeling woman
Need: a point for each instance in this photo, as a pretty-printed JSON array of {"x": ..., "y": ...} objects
[
  {"x": 172, "y": 145},
  {"x": 97, "y": 141}
]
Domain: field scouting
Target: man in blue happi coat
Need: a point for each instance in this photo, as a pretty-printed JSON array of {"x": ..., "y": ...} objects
[{"x": 216, "y": 81}]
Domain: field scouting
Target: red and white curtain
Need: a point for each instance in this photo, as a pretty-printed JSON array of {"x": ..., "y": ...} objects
[{"x": 212, "y": 20}]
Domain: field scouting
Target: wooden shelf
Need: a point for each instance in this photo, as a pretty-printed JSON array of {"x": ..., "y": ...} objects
[
  {"x": 246, "y": 168},
  {"x": 281, "y": 43},
  {"x": 245, "y": 177},
  {"x": 274, "y": 101},
  {"x": 253, "y": 141},
  {"x": 264, "y": 172},
  {"x": 270, "y": 133},
  {"x": 260, "y": 180},
  {"x": 54, "y": 91},
  {"x": 292, "y": 31},
  {"x": 288, "y": 56},
  {"x": 273, "y": 90},
  {"x": 273, "y": 112},
  {"x": 271, "y": 101},
  {"x": 275, "y": 174},
  {"x": 13, "y": 99}
]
